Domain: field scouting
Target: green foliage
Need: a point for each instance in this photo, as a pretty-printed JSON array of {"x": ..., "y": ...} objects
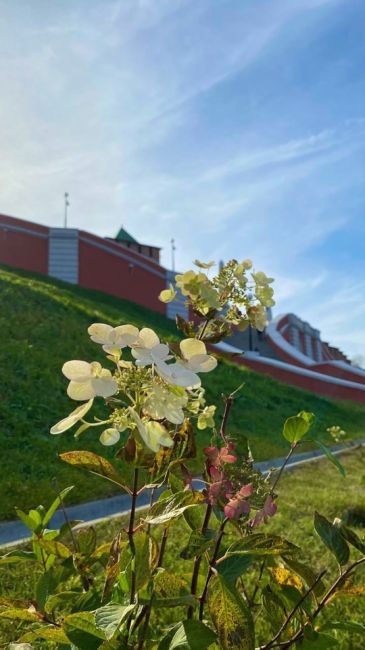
[
  {"x": 115, "y": 596},
  {"x": 188, "y": 635},
  {"x": 297, "y": 426},
  {"x": 231, "y": 616},
  {"x": 332, "y": 538},
  {"x": 32, "y": 400}
]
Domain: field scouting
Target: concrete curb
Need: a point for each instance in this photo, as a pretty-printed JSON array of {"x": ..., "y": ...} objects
[{"x": 13, "y": 533}]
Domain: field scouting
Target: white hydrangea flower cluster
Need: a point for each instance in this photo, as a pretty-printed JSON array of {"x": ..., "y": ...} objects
[{"x": 168, "y": 391}]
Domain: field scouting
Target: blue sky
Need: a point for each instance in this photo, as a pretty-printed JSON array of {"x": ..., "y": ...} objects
[{"x": 235, "y": 126}]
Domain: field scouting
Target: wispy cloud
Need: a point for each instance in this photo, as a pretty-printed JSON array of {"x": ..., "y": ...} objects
[{"x": 237, "y": 128}]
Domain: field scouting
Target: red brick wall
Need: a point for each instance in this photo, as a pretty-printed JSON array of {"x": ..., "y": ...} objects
[
  {"x": 26, "y": 248},
  {"x": 343, "y": 373},
  {"x": 100, "y": 269},
  {"x": 308, "y": 383}
]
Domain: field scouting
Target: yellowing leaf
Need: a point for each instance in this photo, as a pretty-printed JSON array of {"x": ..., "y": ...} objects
[
  {"x": 285, "y": 577},
  {"x": 231, "y": 616}
]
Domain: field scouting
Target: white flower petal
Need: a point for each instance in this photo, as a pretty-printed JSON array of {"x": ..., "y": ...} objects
[
  {"x": 125, "y": 335},
  {"x": 147, "y": 338},
  {"x": 80, "y": 392},
  {"x": 112, "y": 349},
  {"x": 192, "y": 347},
  {"x": 72, "y": 418},
  {"x": 77, "y": 370},
  {"x": 109, "y": 437},
  {"x": 100, "y": 332},
  {"x": 160, "y": 352},
  {"x": 176, "y": 374},
  {"x": 201, "y": 363},
  {"x": 104, "y": 387},
  {"x": 174, "y": 415},
  {"x": 157, "y": 435}
]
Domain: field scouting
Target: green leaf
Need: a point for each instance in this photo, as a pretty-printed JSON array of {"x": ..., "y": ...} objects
[
  {"x": 331, "y": 457},
  {"x": 60, "y": 599},
  {"x": 198, "y": 543},
  {"x": 171, "y": 590},
  {"x": 48, "y": 633},
  {"x": 332, "y": 538},
  {"x": 347, "y": 626},
  {"x": 56, "y": 504},
  {"x": 193, "y": 516},
  {"x": 188, "y": 635},
  {"x": 297, "y": 426},
  {"x": 230, "y": 615},
  {"x": 173, "y": 507},
  {"x": 45, "y": 587},
  {"x": 274, "y": 607},
  {"x": 318, "y": 642},
  {"x": 261, "y": 544},
  {"x": 86, "y": 540},
  {"x": 32, "y": 520},
  {"x": 233, "y": 567},
  {"x": 16, "y": 614},
  {"x": 306, "y": 574},
  {"x": 55, "y": 548},
  {"x": 110, "y": 618},
  {"x": 14, "y": 557},
  {"x": 350, "y": 536},
  {"x": 144, "y": 558},
  {"x": 95, "y": 464},
  {"x": 102, "y": 551},
  {"x": 81, "y": 630}
]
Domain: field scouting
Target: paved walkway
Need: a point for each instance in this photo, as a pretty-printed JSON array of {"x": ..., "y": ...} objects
[{"x": 14, "y": 532}]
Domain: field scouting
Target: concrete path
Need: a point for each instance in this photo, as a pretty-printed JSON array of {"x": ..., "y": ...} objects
[{"x": 15, "y": 532}]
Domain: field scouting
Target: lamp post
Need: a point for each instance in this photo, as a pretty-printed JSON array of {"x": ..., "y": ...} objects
[
  {"x": 67, "y": 203},
  {"x": 173, "y": 249}
]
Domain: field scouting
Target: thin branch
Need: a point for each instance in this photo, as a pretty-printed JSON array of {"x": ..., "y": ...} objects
[
  {"x": 252, "y": 601},
  {"x": 146, "y": 611},
  {"x": 287, "y": 458},
  {"x": 227, "y": 410},
  {"x": 293, "y": 612},
  {"x": 197, "y": 561},
  {"x": 342, "y": 578},
  {"x": 211, "y": 569},
  {"x": 131, "y": 532}
]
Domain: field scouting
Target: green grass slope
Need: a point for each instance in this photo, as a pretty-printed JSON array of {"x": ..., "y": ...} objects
[{"x": 43, "y": 323}]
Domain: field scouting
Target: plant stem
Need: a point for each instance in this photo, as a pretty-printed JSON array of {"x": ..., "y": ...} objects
[
  {"x": 252, "y": 601},
  {"x": 274, "y": 643},
  {"x": 293, "y": 612},
  {"x": 131, "y": 533},
  {"x": 197, "y": 561},
  {"x": 211, "y": 568},
  {"x": 146, "y": 612},
  {"x": 227, "y": 410},
  {"x": 287, "y": 458},
  {"x": 203, "y": 330}
]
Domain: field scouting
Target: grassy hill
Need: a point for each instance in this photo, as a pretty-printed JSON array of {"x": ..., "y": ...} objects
[{"x": 43, "y": 323}]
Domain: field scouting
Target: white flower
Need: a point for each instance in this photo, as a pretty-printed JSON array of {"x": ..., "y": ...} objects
[
  {"x": 113, "y": 338},
  {"x": 152, "y": 433},
  {"x": 167, "y": 295},
  {"x": 178, "y": 375},
  {"x": 71, "y": 419},
  {"x": 147, "y": 349},
  {"x": 162, "y": 403},
  {"x": 88, "y": 380},
  {"x": 195, "y": 356},
  {"x": 109, "y": 437}
]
